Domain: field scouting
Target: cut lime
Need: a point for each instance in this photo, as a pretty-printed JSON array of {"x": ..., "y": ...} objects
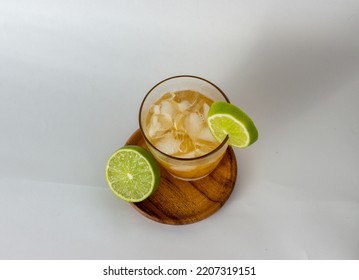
[
  {"x": 132, "y": 173},
  {"x": 227, "y": 119}
]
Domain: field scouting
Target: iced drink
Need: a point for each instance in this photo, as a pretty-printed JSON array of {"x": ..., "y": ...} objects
[
  {"x": 174, "y": 124},
  {"x": 177, "y": 124}
]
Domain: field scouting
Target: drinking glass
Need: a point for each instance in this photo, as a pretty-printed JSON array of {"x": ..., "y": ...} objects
[{"x": 189, "y": 168}]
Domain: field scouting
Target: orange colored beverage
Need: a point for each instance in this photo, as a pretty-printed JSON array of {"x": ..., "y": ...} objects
[
  {"x": 174, "y": 125},
  {"x": 177, "y": 124}
]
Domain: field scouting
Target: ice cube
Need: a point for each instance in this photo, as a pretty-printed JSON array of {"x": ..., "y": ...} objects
[
  {"x": 156, "y": 109},
  {"x": 168, "y": 108},
  {"x": 183, "y": 106},
  {"x": 168, "y": 144},
  {"x": 179, "y": 122},
  {"x": 159, "y": 125},
  {"x": 186, "y": 143},
  {"x": 204, "y": 147},
  {"x": 197, "y": 105},
  {"x": 152, "y": 126},
  {"x": 205, "y": 110},
  {"x": 206, "y": 135},
  {"x": 194, "y": 124}
]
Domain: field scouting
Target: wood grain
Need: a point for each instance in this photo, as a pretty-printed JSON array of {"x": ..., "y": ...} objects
[{"x": 178, "y": 202}]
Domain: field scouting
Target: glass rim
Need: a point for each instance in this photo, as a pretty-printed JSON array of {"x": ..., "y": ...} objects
[{"x": 225, "y": 140}]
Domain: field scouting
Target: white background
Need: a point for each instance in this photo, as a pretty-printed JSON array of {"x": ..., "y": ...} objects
[{"x": 73, "y": 74}]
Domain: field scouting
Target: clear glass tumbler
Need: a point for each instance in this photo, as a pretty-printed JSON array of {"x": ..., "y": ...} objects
[{"x": 189, "y": 168}]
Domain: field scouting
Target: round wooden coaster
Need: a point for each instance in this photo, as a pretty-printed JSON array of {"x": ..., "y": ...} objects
[{"x": 179, "y": 202}]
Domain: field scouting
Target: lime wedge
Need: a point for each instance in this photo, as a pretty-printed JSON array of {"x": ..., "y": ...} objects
[
  {"x": 132, "y": 173},
  {"x": 227, "y": 119}
]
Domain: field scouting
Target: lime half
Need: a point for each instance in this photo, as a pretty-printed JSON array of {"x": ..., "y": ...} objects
[
  {"x": 132, "y": 173},
  {"x": 227, "y": 119}
]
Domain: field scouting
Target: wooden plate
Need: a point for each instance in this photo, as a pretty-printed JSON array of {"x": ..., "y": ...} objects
[{"x": 179, "y": 202}]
